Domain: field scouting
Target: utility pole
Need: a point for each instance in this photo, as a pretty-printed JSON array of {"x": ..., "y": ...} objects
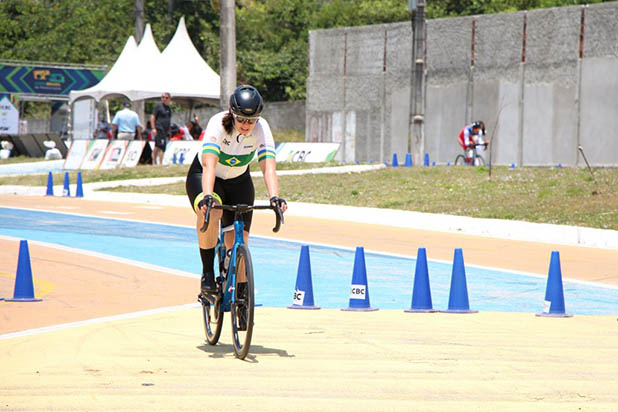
[
  {"x": 139, "y": 20},
  {"x": 139, "y": 106},
  {"x": 227, "y": 35},
  {"x": 416, "y": 137}
]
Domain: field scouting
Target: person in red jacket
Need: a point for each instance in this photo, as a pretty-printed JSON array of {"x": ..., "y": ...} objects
[{"x": 470, "y": 135}]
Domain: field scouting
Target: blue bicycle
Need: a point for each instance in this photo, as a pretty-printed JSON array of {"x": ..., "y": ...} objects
[{"x": 235, "y": 283}]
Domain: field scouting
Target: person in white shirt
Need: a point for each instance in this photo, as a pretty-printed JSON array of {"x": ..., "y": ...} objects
[{"x": 126, "y": 123}]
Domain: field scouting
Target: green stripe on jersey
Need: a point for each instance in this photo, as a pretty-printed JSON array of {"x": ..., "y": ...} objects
[{"x": 235, "y": 160}]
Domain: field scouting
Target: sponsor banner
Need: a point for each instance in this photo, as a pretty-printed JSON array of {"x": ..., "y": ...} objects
[
  {"x": 114, "y": 154},
  {"x": 181, "y": 151},
  {"x": 133, "y": 153},
  {"x": 306, "y": 152},
  {"x": 9, "y": 117},
  {"x": 95, "y": 154},
  {"x": 75, "y": 155},
  {"x": 20, "y": 78}
]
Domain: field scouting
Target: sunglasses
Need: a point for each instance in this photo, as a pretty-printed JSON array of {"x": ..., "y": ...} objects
[
  {"x": 165, "y": 97},
  {"x": 249, "y": 120}
]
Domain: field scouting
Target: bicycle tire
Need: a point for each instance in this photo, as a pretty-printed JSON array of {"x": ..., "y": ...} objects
[
  {"x": 242, "y": 338},
  {"x": 213, "y": 320},
  {"x": 211, "y": 312},
  {"x": 479, "y": 161},
  {"x": 460, "y": 160}
]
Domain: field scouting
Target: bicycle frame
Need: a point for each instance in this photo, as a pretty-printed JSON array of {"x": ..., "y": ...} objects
[
  {"x": 474, "y": 156},
  {"x": 230, "y": 277}
]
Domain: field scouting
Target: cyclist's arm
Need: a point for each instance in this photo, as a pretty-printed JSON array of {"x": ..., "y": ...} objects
[
  {"x": 269, "y": 170},
  {"x": 209, "y": 165},
  {"x": 211, "y": 148}
]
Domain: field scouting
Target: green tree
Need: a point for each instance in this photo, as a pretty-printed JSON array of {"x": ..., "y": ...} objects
[
  {"x": 272, "y": 35},
  {"x": 71, "y": 31}
]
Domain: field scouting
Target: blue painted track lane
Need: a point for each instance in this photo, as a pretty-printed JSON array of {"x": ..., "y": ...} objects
[{"x": 390, "y": 278}]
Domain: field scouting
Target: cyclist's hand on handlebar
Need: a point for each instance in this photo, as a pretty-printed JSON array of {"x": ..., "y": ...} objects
[
  {"x": 279, "y": 203},
  {"x": 207, "y": 201},
  {"x": 204, "y": 205}
]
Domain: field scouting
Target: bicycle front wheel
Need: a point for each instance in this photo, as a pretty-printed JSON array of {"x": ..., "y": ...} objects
[
  {"x": 460, "y": 160},
  {"x": 479, "y": 161},
  {"x": 243, "y": 306},
  {"x": 213, "y": 318}
]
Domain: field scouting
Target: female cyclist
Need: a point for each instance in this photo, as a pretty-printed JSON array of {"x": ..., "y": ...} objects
[{"x": 221, "y": 172}]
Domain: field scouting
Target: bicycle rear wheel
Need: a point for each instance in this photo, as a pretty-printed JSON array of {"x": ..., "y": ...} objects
[{"x": 243, "y": 306}]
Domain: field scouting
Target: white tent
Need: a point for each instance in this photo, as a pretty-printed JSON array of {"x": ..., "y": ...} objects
[
  {"x": 145, "y": 72},
  {"x": 115, "y": 80},
  {"x": 190, "y": 76},
  {"x": 147, "y": 61}
]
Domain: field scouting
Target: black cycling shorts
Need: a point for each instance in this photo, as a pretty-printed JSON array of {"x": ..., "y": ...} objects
[{"x": 238, "y": 190}]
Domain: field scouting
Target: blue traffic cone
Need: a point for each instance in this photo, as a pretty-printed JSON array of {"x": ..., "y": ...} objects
[
  {"x": 395, "y": 163},
  {"x": 79, "y": 192},
  {"x": 359, "y": 293},
  {"x": 554, "y": 294},
  {"x": 67, "y": 190},
  {"x": 24, "y": 285},
  {"x": 303, "y": 292},
  {"x": 408, "y": 160},
  {"x": 426, "y": 160},
  {"x": 421, "y": 293},
  {"x": 50, "y": 185},
  {"x": 458, "y": 296}
]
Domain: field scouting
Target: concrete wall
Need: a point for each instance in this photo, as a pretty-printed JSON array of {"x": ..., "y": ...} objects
[
  {"x": 358, "y": 90},
  {"x": 544, "y": 82}
]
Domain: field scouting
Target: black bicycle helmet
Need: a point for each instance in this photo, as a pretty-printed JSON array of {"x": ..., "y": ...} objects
[
  {"x": 476, "y": 125},
  {"x": 246, "y": 101}
]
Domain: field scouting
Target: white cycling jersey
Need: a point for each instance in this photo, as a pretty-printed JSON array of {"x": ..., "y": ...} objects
[{"x": 235, "y": 150}]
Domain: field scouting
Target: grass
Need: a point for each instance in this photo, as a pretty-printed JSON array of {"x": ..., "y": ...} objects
[{"x": 569, "y": 196}]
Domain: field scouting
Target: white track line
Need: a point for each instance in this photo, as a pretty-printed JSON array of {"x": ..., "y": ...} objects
[{"x": 103, "y": 319}]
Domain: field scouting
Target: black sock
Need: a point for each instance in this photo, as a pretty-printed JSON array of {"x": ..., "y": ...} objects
[{"x": 208, "y": 260}]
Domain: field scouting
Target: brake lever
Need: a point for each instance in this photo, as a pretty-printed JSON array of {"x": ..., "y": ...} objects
[
  {"x": 279, "y": 220},
  {"x": 206, "y": 219}
]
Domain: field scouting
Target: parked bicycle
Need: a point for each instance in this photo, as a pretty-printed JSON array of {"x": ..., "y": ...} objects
[
  {"x": 471, "y": 156},
  {"x": 235, "y": 284}
]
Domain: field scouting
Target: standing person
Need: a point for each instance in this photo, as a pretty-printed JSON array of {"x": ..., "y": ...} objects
[
  {"x": 161, "y": 119},
  {"x": 220, "y": 173},
  {"x": 126, "y": 123}
]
